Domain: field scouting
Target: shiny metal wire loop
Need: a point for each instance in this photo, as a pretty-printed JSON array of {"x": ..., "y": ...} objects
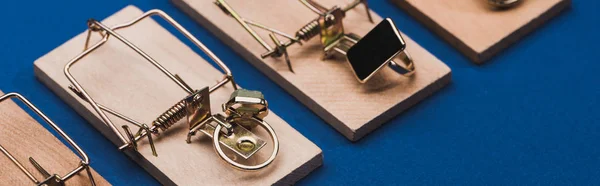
[
  {"x": 83, "y": 165},
  {"x": 107, "y": 32}
]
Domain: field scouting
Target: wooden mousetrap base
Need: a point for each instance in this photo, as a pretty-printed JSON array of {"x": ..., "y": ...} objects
[
  {"x": 23, "y": 137},
  {"x": 328, "y": 87},
  {"x": 119, "y": 78},
  {"x": 478, "y": 30}
]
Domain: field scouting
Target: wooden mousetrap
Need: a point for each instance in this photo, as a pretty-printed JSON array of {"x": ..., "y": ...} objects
[
  {"x": 478, "y": 30},
  {"x": 115, "y": 72},
  {"x": 31, "y": 155}
]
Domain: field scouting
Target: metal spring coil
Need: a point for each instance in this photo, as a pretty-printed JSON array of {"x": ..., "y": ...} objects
[
  {"x": 309, "y": 31},
  {"x": 173, "y": 114}
]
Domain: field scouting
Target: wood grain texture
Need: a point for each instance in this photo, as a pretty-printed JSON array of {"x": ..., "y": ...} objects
[
  {"x": 478, "y": 30},
  {"x": 118, "y": 77},
  {"x": 24, "y": 137},
  {"x": 328, "y": 87}
]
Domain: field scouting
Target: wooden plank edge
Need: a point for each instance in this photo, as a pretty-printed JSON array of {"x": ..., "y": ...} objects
[
  {"x": 403, "y": 106},
  {"x": 436, "y": 28},
  {"x": 302, "y": 171},
  {"x": 525, "y": 30}
]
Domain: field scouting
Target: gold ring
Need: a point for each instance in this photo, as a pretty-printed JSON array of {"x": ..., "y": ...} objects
[{"x": 409, "y": 66}]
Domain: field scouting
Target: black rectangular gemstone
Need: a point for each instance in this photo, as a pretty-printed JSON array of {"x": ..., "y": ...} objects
[{"x": 375, "y": 49}]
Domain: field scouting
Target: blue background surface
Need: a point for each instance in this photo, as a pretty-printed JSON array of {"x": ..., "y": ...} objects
[{"x": 529, "y": 116}]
